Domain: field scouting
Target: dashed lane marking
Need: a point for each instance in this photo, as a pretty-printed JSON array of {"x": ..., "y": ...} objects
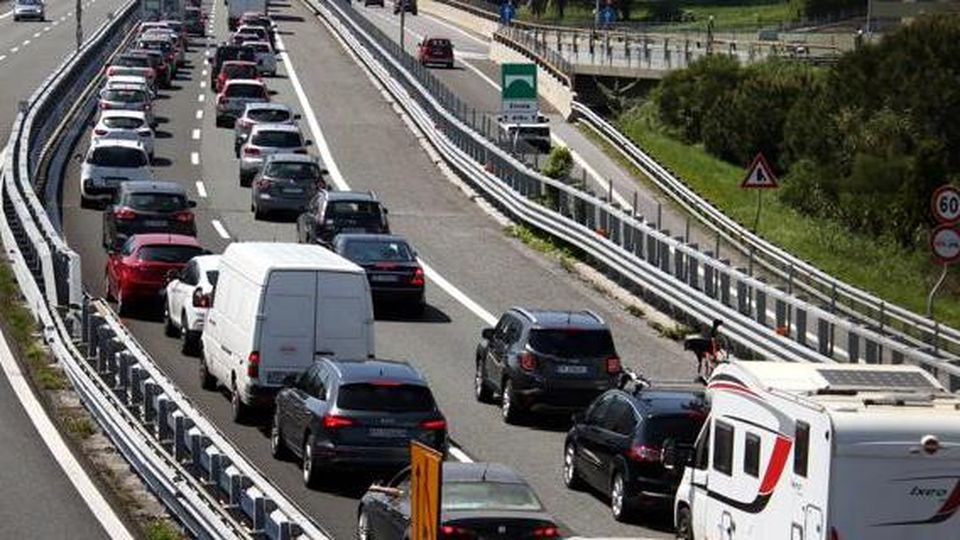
[
  {"x": 199, "y": 114},
  {"x": 221, "y": 230},
  {"x": 201, "y": 189},
  {"x": 195, "y": 134},
  {"x": 201, "y": 98},
  {"x": 194, "y": 158}
]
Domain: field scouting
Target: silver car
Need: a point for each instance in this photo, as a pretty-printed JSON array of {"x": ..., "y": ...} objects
[
  {"x": 120, "y": 124},
  {"x": 28, "y": 9},
  {"x": 235, "y": 95},
  {"x": 267, "y": 139},
  {"x": 129, "y": 98},
  {"x": 287, "y": 182},
  {"x": 260, "y": 113}
]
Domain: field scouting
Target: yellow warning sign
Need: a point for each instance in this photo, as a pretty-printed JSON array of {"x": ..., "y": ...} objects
[{"x": 426, "y": 474}]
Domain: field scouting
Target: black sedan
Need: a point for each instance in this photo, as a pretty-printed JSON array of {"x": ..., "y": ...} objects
[
  {"x": 478, "y": 500},
  {"x": 393, "y": 271}
]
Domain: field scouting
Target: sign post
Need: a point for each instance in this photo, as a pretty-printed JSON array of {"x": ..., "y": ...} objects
[
  {"x": 759, "y": 177},
  {"x": 945, "y": 238},
  {"x": 426, "y": 476},
  {"x": 518, "y": 94}
]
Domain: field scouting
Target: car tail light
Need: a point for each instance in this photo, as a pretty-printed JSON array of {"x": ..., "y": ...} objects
[
  {"x": 151, "y": 73},
  {"x": 550, "y": 531},
  {"x": 251, "y": 151},
  {"x": 438, "y": 423},
  {"x": 332, "y": 421},
  {"x": 264, "y": 184},
  {"x": 451, "y": 532},
  {"x": 184, "y": 217},
  {"x": 147, "y": 107},
  {"x": 528, "y": 362},
  {"x": 100, "y": 132},
  {"x": 834, "y": 535},
  {"x": 104, "y": 105},
  {"x": 200, "y": 299},
  {"x": 253, "y": 365},
  {"x": 640, "y": 452},
  {"x": 417, "y": 278},
  {"x": 111, "y": 71},
  {"x": 613, "y": 365},
  {"x": 124, "y": 213}
]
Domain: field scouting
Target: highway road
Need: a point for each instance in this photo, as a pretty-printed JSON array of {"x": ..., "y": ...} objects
[
  {"x": 477, "y": 271},
  {"x": 39, "y": 499}
]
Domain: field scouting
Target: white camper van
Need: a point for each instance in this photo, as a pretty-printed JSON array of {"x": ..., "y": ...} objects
[
  {"x": 276, "y": 308},
  {"x": 824, "y": 452}
]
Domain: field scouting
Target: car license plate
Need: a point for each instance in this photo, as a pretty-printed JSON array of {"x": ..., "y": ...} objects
[
  {"x": 276, "y": 377},
  {"x": 388, "y": 433},
  {"x": 156, "y": 223},
  {"x": 381, "y": 278},
  {"x": 572, "y": 370},
  {"x": 293, "y": 190}
]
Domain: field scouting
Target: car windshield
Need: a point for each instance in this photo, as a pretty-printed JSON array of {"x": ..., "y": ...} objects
[
  {"x": 212, "y": 276},
  {"x": 122, "y": 122},
  {"x": 246, "y": 91},
  {"x": 239, "y": 71},
  {"x": 682, "y": 428},
  {"x": 169, "y": 253},
  {"x": 117, "y": 156},
  {"x": 293, "y": 170},
  {"x": 269, "y": 116},
  {"x": 125, "y": 96},
  {"x": 28, "y": 2},
  {"x": 572, "y": 342},
  {"x": 535, "y": 132},
  {"x": 155, "y": 45},
  {"x": 278, "y": 139},
  {"x": 386, "y": 397},
  {"x": 488, "y": 496},
  {"x": 364, "y": 251},
  {"x": 156, "y": 202}
]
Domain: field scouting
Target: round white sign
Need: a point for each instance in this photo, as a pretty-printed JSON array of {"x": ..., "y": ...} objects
[
  {"x": 946, "y": 204},
  {"x": 945, "y": 242}
]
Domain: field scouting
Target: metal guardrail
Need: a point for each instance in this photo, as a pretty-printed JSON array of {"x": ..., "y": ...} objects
[
  {"x": 204, "y": 481},
  {"x": 767, "y": 320}
]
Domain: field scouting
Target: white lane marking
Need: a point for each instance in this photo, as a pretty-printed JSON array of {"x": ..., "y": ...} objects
[
  {"x": 56, "y": 23},
  {"x": 456, "y": 28},
  {"x": 7, "y": 14},
  {"x": 201, "y": 98},
  {"x": 63, "y": 18},
  {"x": 25, "y": 42},
  {"x": 46, "y": 28},
  {"x": 221, "y": 230},
  {"x": 194, "y": 158},
  {"x": 204, "y": 73},
  {"x": 203, "y": 84},
  {"x": 2, "y": 57},
  {"x": 59, "y": 450},
  {"x": 15, "y": 49},
  {"x": 459, "y": 454},
  {"x": 199, "y": 114},
  {"x": 337, "y": 177},
  {"x": 481, "y": 74},
  {"x": 36, "y": 34},
  {"x": 195, "y": 134},
  {"x": 201, "y": 189}
]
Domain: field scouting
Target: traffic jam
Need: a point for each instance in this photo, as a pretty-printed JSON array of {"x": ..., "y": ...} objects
[{"x": 285, "y": 331}]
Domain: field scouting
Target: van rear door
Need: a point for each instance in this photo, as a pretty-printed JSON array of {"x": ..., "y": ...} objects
[
  {"x": 287, "y": 321},
  {"x": 344, "y": 320}
]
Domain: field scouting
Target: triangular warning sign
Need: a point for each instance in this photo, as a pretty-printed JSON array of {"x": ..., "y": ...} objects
[{"x": 759, "y": 175}]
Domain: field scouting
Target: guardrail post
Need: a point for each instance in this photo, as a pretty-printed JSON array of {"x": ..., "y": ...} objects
[
  {"x": 233, "y": 483},
  {"x": 281, "y": 527},
  {"x": 800, "y": 315},
  {"x": 252, "y": 503},
  {"x": 124, "y": 360},
  {"x": 180, "y": 426},
  {"x": 870, "y": 352},
  {"x": 103, "y": 334},
  {"x": 709, "y": 277},
  {"x": 780, "y": 311},
  {"x": 198, "y": 441},
  {"x": 743, "y": 295},
  {"x": 760, "y": 304},
  {"x": 165, "y": 408},
  {"x": 724, "y": 276},
  {"x": 150, "y": 391},
  {"x": 853, "y": 347},
  {"x": 693, "y": 267},
  {"x": 823, "y": 337},
  {"x": 664, "y": 257},
  {"x": 137, "y": 376},
  {"x": 679, "y": 260}
]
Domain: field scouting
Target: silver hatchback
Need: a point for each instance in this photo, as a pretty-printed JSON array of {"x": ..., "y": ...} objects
[
  {"x": 260, "y": 113},
  {"x": 267, "y": 139},
  {"x": 286, "y": 183},
  {"x": 128, "y": 97}
]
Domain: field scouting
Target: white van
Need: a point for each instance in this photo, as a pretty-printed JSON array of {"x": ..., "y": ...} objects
[{"x": 276, "y": 308}]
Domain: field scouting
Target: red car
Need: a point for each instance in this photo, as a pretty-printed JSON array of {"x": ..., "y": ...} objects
[
  {"x": 435, "y": 51},
  {"x": 142, "y": 266},
  {"x": 236, "y": 69}
]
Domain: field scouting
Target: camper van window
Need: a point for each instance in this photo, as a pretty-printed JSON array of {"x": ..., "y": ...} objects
[
  {"x": 627, "y": 422},
  {"x": 618, "y": 408},
  {"x": 801, "y": 449},
  {"x": 599, "y": 410},
  {"x": 702, "y": 451},
  {"x": 723, "y": 448},
  {"x": 751, "y": 455}
]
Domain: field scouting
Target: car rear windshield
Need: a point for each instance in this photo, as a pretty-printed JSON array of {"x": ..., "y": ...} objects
[
  {"x": 117, "y": 156},
  {"x": 260, "y": 47},
  {"x": 278, "y": 139},
  {"x": 293, "y": 170},
  {"x": 246, "y": 91},
  {"x": 156, "y": 202},
  {"x": 239, "y": 71},
  {"x": 538, "y": 132},
  {"x": 385, "y": 397},
  {"x": 488, "y": 496},
  {"x": 354, "y": 213},
  {"x": 125, "y": 96},
  {"x": 169, "y": 253},
  {"x": 155, "y": 45},
  {"x": 439, "y": 44},
  {"x": 132, "y": 61},
  {"x": 122, "y": 122},
  {"x": 682, "y": 428},
  {"x": 364, "y": 251},
  {"x": 572, "y": 343},
  {"x": 269, "y": 115}
]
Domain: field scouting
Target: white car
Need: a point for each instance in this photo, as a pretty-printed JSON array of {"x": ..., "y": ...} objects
[
  {"x": 266, "y": 58},
  {"x": 28, "y": 9},
  {"x": 187, "y": 298},
  {"x": 120, "y": 124},
  {"x": 108, "y": 163},
  {"x": 128, "y": 97},
  {"x": 128, "y": 79}
]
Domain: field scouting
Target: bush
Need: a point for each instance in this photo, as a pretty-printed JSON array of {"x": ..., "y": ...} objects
[
  {"x": 559, "y": 163},
  {"x": 685, "y": 96}
]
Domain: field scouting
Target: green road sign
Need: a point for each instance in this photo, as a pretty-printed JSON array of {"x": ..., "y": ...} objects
[{"x": 518, "y": 81}]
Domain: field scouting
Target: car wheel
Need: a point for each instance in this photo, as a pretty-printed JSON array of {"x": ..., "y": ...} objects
[
  {"x": 207, "y": 382},
  {"x": 571, "y": 476},
  {"x": 684, "y": 524},
  {"x": 277, "y": 448},
  {"x": 481, "y": 390},
  {"x": 619, "y": 502},
  {"x": 238, "y": 409},
  {"x": 309, "y": 467},
  {"x": 170, "y": 329},
  {"x": 363, "y": 526},
  {"x": 509, "y": 408},
  {"x": 188, "y": 340}
]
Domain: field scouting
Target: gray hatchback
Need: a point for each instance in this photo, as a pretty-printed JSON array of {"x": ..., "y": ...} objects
[{"x": 286, "y": 183}]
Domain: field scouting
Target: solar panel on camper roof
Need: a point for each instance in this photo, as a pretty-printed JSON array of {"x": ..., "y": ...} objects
[{"x": 855, "y": 378}]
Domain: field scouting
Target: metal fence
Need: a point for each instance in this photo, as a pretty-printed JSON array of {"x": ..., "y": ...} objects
[{"x": 768, "y": 320}]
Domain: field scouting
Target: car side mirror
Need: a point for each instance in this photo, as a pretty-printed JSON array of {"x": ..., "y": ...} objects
[
  {"x": 192, "y": 204},
  {"x": 487, "y": 333},
  {"x": 297, "y": 117},
  {"x": 308, "y": 143},
  {"x": 578, "y": 417}
]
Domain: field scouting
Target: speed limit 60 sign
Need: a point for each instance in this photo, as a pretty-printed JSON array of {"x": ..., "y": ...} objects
[{"x": 946, "y": 204}]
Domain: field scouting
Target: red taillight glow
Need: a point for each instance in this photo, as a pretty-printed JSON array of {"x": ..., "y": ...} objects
[
  {"x": 124, "y": 213},
  {"x": 834, "y": 535},
  {"x": 439, "y": 423},
  {"x": 200, "y": 300},
  {"x": 253, "y": 365},
  {"x": 640, "y": 452},
  {"x": 528, "y": 361},
  {"x": 332, "y": 421},
  {"x": 546, "y": 532},
  {"x": 264, "y": 184},
  {"x": 100, "y": 132},
  {"x": 184, "y": 217},
  {"x": 251, "y": 151},
  {"x": 417, "y": 278},
  {"x": 613, "y": 365},
  {"x": 451, "y": 532}
]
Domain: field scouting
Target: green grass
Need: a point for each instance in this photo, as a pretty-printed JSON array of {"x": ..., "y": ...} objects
[
  {"x": 162, "y": 529},
  {"x": 727, "y": 14},
  {"x": 891, "y": 272}
]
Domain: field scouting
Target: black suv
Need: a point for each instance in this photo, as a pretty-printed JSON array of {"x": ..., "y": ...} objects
[
  {"x": 355, "y": 414},
  {"x": 616, "y": 446},
  {"x": 330, "y": 213},
  {"x": 545, "y": 360},
  {"x": 148, "y": 207}
]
